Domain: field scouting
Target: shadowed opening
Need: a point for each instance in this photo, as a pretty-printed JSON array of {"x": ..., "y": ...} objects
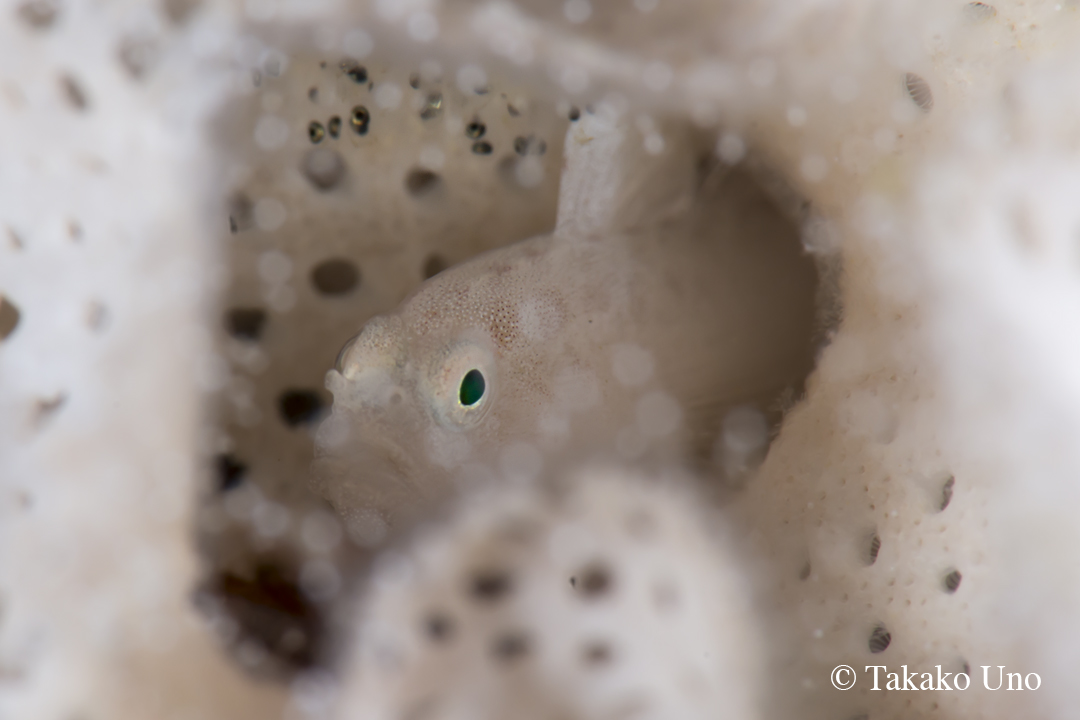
[
  {"x": 336, "y": 276},
  {"x": 9, "y": 317}
]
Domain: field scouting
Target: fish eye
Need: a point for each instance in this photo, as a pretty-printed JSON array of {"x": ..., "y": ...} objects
[
  {"x": 472, "y": 388},
  {"x": 460, "y": 384}
]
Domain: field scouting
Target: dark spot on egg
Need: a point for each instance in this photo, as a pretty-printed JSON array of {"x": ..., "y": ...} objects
[
  {"x": 475, "y": 130},
  {"x": 359, "y": 120},
  {"x": 521, "y": 145},
  {"x": 333, "y": 125},
  {"x": 482, "y": 147},
  {"x": 245, "y": 323},
  {"x": 315, "y": 132},
  {"x": 335, "y": 276},
  {"x": 414, "y": 81},
  {"x": 357, "y": 73},
  {"x": 300, "y": 407},
  {"x": 575, "y": 113},
  {"x": 313, "y": 94}
]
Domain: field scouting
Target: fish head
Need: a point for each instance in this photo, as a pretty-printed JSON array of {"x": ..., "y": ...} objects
[{"x": 424, "y": 392}]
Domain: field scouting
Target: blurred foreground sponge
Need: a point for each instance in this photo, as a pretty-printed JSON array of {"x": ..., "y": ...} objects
[{"x": 604, "y": 595}]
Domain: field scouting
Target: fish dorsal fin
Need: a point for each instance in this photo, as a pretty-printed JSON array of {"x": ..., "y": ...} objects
[{"x": 612, "y": 182}]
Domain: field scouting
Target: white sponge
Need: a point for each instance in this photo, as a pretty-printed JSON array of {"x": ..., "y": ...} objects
[{"x": 602, "y": 596}]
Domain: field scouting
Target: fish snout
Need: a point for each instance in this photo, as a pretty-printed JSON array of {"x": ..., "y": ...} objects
[{"x": 377, "y": 345}]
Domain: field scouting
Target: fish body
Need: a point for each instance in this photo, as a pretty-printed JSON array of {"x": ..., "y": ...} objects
[{"x": 585, "y": 343}]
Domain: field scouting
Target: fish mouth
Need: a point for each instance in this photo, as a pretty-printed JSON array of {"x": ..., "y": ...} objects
[{"x": 383, "y": 477}]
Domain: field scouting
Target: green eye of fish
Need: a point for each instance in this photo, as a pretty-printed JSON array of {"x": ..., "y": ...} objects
[
  {"x": 472, "y": 388},
  {"x": 458, "y": 385}
]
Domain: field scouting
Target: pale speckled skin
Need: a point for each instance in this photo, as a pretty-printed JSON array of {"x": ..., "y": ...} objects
[{"x": 720, "y": 296}]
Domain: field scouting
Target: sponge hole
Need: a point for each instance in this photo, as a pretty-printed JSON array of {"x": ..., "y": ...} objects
[
  {"x": 300, "y": 407},
  {"x": 230, "y": 472},
  {"x": 245, "y": 323},
  {"x": 39, "y": 14},
  {"x": 946, "y": 493},
  {"x": 919, "y": 91},
  {"x": 951, "y": 581},
  {"x": 593, "y": 581},
  {"x": 336, "y": 276},
  {"x": 873, "y": 547},
  {"x": 9, "y": 318},
  {"x": 880, "y": 639}
]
